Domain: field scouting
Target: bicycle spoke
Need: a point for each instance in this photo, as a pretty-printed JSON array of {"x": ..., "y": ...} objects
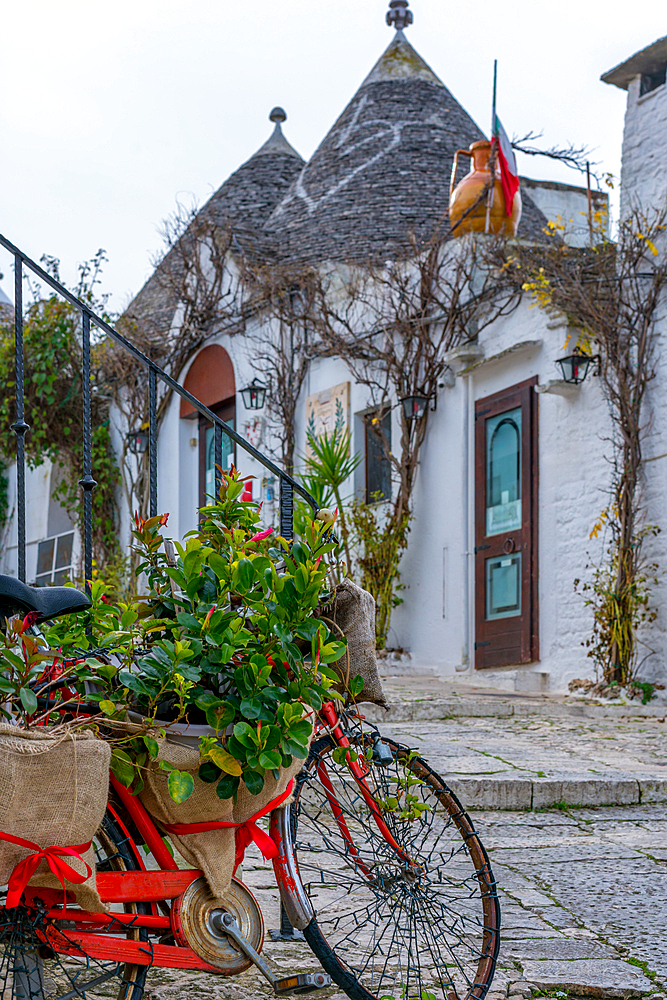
[{"x": 421, "y": 921}]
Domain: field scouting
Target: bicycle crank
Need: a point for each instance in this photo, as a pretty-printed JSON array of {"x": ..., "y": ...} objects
[
  {"x": 191, "y": 924},
  {"x": 222, "y": 922}
]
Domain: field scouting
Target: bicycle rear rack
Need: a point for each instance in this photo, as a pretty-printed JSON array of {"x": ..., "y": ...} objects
[{"x": 288, "y": 485}]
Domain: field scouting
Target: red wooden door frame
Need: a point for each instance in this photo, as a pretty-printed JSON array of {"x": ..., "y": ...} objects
[{"x": 511, "y": 640}]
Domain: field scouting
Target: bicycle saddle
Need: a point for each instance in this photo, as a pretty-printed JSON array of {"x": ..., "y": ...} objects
[{"x": 48, "y": 602}]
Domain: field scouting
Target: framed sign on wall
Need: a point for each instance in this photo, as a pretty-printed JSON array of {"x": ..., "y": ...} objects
[{"x": 327, "y": 411}]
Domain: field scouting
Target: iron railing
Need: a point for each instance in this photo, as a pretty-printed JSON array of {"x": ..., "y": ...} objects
[{"x": 288, "y": 485}]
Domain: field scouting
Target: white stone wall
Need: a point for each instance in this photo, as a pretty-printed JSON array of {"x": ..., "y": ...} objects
[
  {"x": 574, "y": 473},
  {"x": 643, "y": 171},
  {"x": 567, "y": 205}
]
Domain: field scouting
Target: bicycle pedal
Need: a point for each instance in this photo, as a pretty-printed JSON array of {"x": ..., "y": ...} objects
[{"x": 304, "y": 982}]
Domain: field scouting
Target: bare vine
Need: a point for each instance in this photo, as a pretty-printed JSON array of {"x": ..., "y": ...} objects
[
  {"x": 611, "y": 293},
  {"x": 192, "y": 295},
  {"x": 394, "y": 327}
]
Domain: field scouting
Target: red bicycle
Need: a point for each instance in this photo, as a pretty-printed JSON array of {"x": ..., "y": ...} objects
[{"x": 376, "y": 862}]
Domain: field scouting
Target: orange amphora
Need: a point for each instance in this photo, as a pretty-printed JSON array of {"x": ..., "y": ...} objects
[{"x": 469, "y": 190}]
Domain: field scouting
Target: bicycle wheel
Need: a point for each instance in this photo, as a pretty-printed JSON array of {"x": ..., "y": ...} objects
[
  {"x": 31, "y": 970},
  {"x": 424, "y": 926}
]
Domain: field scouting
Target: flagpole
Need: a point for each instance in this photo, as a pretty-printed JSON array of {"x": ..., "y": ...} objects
[
  {"x": 492, "y": 159},
  {"x": 493, "y": 106}
]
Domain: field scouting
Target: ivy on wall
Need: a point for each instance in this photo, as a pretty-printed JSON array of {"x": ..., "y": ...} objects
[{"x": 53, "y": 407}]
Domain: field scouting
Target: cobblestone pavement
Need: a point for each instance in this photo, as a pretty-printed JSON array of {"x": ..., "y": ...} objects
[
  {"x": 523, "y": 762},
  {"x": 583, "y": 890}
]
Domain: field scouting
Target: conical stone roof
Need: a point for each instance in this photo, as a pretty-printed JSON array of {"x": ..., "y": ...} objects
[
  {"x": 383, "y": 170},
  {"x": 244, "y": 202},
  {"x": 251, "y": 193}
]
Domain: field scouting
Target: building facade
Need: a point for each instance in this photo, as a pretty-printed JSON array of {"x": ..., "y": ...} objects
[{"x": 514, "y": 469}]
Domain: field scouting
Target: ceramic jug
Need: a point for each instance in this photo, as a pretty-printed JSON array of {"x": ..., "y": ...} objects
[{"x": 469, "y": 190}]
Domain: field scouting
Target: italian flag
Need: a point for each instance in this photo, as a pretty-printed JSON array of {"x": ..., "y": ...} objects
[{"x": 509, "y": 172}]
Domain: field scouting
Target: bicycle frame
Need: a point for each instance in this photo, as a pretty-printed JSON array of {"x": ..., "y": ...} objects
[{"x": 93, "y": 932}]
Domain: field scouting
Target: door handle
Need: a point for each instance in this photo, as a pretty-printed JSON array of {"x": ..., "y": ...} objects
[{"x": 509, "y": 546}]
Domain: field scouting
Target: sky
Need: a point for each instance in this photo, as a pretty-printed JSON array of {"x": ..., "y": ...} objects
[{"x": 110, "y": 114}]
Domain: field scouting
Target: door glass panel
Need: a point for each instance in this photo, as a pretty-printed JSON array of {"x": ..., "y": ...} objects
[
  {"x": 503, "y": 587},
  {"x": 227, "y": 457},
  {"x": 503, "y": 472}
]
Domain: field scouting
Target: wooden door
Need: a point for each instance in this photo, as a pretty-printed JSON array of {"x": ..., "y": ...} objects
[{"x": 506, "y": 597}]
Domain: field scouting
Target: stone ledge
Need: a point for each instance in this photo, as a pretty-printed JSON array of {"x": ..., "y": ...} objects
[
  {"x": 513, "y": 793},
  {"x": 448, "y": 708}
]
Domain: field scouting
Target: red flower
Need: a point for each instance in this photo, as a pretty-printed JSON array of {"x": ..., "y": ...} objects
[
  {"x": 29, "y": 620},
  {"x": 163, "y": 519},
  {"x": 261, "y": 534},
  {"x": 209, "y": 615}
]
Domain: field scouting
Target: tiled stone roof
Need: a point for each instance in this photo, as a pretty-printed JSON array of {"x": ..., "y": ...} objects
[
  {"x": 383, "y": 170},
  {"x": 381, "y": 173},
  {"x": 244, "y": 202},
  {"x": 248, "y": 197}
]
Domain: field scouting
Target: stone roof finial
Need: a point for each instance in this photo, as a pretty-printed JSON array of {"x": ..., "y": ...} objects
[
  {"x": 399, "y": 15},
  {"x": 277, "y": 143}
]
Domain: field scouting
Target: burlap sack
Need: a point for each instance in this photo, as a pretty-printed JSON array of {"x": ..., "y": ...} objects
[
  {"x": 354, "y": 613},
  {"x": 212, "y": 851},
  {"x": 53, "y": 792}
]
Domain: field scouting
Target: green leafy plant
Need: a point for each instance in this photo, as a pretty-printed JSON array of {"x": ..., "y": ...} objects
[
  {"x": 29, "y": 670},
  {"x": 53, "y": 386},
  {"x": 620, "y": 602},
  {"x": 227, "y": 635}
]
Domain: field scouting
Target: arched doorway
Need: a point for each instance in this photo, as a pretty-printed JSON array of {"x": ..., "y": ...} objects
[{"x": 211, "y": 379}]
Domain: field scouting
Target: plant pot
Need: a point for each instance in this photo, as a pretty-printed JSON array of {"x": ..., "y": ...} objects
[{"x": 182, "y": 733}]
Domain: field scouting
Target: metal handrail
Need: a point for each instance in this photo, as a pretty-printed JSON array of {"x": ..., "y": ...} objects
[{"x": 287, "y": 484}]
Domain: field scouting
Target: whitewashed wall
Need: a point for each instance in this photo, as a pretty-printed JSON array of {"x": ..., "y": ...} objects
[{"x": 643, "y": 173}]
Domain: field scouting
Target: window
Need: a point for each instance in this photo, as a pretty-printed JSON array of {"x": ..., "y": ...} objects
[
  {"x": 227, "y": 457},
  {"x": 227, "y": 412},
  {"x": 54, "y": 560},
  {"x": 651, "y": 81},
  {"x": 503, "y": 472},
  {"x": 378, "y": 466}
]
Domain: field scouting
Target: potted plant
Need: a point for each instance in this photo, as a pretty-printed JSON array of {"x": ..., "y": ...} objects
[{"x": 228, "y": 637}]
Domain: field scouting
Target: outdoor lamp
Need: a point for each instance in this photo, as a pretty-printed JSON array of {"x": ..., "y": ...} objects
[
  {"x": 575, "y": 367},
  {"x": 137, "y": 441},
  {"x": 414, "y": 407},
  {"x": 254, "y": 395}
]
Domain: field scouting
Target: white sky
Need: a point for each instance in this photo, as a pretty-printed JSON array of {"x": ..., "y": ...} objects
[{"x": 110, "y": 112}]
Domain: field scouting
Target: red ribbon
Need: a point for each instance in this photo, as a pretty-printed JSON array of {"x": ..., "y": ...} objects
[
  {"x": 25, "y": 869},
  {"x": 245, "y": 832}
]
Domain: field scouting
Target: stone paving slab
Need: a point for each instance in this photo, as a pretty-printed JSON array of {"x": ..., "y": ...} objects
[
  {"x": 603, "y": 896},
  {"x": 588, "y": 978},
  {"x": 583, "y": 890},
  {"x": 583, "y": 913}
]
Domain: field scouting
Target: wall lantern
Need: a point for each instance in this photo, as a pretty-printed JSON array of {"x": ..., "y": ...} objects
[
  {"x": 254, "y": 395},
  {"x": 414, "y": 407},
  {"x": 137, "y": 441},
  {"x": 575, "y": 367}
]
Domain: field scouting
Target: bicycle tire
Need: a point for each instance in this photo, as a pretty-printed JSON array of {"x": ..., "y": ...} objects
[
  {"x": 455, "y": 909},
  {"x": 37, "y": 971}
]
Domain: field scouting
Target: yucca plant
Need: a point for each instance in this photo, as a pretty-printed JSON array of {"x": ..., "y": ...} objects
[{"x": 328, "y": 467}]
